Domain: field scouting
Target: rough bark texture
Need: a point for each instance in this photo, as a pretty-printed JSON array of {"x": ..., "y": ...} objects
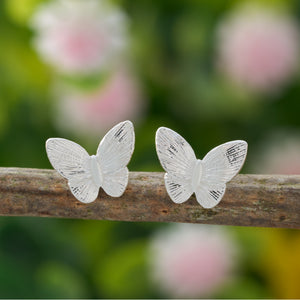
[{"x": 250, "y": 200}]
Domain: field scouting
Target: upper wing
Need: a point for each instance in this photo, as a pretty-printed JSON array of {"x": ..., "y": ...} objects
[
  {"x": 222, "y": 163},
  {"x": 178, "y": 159},
  {"x": 174, "y": 152},
  {"x": 116, "y": 148},
  {"x": 70, "y": 160}
]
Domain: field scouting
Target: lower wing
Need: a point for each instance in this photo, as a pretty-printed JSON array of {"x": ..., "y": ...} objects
[
  {"x": 178, "y": 189},
  {"x": 210, "y": 196},
  {"x": 84, "y": 189},
  {"x": 114, "y": 184}
]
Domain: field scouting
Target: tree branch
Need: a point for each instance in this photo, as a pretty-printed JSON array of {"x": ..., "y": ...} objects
[{"x": 250, "y": 200}]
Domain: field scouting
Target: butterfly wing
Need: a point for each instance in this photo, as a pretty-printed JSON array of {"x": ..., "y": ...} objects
[
  {"x": 209, "y": 196},
  {"x": 113, "y": 154},
  {"x": 178, "y": 189},
  {"x": 178, "y": 159},
  {"x": 84, "y": 189},
  {"x": 114, "y": 184},
  {"x": 220, "y": 165},
  {"x": 70, "y": 161}
]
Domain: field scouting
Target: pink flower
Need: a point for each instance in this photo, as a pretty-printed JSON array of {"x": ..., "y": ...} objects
[
  {"x": 192, "y": 260},
  {"x": 258, "y": 48},
  {"x": 281, "y": 155},
  {"x": 96, "y": 111},
  {"x": 79, "y": 37}
]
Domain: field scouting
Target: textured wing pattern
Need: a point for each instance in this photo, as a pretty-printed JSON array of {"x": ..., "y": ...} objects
[
  {"x": 222, "y": 163},
  {"x": 67, "y": 158},
  {"x": 210, "y": 196},
  {"x": 186, "y": 175},
  {"x": 116, "y": 148},
  {"x": 70, "y": 160},
  {"x": 178, "y": 190},
  {"x": 114, "y": 184},
  {"x": 84, "y": 189},
  {"x": 175, "y": 154}
]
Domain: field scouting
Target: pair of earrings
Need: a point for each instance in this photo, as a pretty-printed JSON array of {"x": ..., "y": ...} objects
[{"x": 185, "y": 175}]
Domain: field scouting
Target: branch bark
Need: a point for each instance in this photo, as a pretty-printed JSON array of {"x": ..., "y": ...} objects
[{"x": 250, "y": 200}]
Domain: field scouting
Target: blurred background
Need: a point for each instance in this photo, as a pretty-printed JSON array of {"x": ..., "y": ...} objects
[{"x": 213, "y": 71}]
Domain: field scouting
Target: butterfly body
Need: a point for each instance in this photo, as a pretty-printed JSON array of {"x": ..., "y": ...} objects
[
  {"x": 197, "y": 175},
  {"x": 186, "y": 174},
  {"x": 87, "y": 174},
  {"x": 95, "y": 170}
]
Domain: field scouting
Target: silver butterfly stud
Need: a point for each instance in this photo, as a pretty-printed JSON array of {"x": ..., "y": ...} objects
[
  {"x": 186, "y": 174},
  {"x": 107, "y": 169}
]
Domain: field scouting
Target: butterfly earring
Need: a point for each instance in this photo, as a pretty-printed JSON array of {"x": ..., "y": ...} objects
[
  {"x": 107, "y": 169},
  {"x": 186, "y": 174}
]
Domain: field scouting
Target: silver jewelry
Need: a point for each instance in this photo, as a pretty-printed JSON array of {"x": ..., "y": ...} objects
[
  {"x": 186, "y": 174},
  {"x": 107, "y": 169}
]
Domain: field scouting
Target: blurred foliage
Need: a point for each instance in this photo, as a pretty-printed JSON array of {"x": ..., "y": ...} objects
[{"x": 173, "y": 53}]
